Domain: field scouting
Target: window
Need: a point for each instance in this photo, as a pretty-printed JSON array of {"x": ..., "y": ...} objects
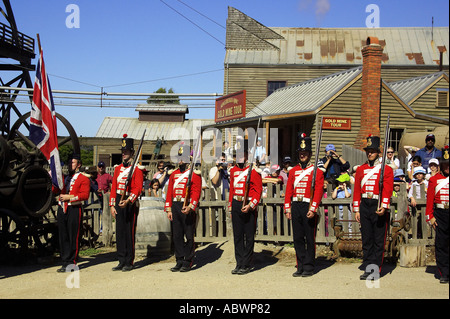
[
  {"x": 274, "y": 85},
  {"x": 396, "y": 135},
  {"x": 441, "y": 97}
]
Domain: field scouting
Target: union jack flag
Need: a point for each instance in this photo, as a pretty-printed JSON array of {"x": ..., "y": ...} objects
[{"x": 43, "y": 123}]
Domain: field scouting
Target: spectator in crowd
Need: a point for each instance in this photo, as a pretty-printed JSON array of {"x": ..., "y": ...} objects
[
  {"x": 333, "y": 163},
  {"x": 284, "y": 173},
  {"x": 260, "y": 152},
  {"x": 392, "y": 161},
  {"x": 419, "y": 179},
  {"x": 154, "y": 187},
  {"x": 272, "y": 178},
  {"x": 398, "y": 181},
  {"x": 220, "y": 178},
  {"x": 410, "y": 151},
  {"x": 398, "y": 173},
  {"x": 429, "y": 151},
  {"x": 343, "y": 190},
  {"x": 352, "y": 174},
  {"x": 104, "y": 181},
  {"x": 416, "y": 162},
  {"x": 433, "y": 168},
  {"x": 161, "y": 174},
  {"x": 227, "y": 151}
]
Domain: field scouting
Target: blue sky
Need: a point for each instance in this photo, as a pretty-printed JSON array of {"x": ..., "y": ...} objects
[{"x": 123, "y": 42}]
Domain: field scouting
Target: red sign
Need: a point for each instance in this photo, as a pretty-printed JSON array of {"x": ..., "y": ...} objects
[
  {"x": 230, "y": 107},
  {"x": 337, "y": 123}
]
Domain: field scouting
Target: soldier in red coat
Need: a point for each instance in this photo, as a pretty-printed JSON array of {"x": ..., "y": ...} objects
[
  {"x": 180, "y": 207},
  {"x": 374, "y": 219},
  {"x": 301, "y": 207},
  {"x": 243, "y": 217},
  {"x": 437, "y": 213},
  {"x": 123, "y": 203},
  {"x": 70, "y": 212}
]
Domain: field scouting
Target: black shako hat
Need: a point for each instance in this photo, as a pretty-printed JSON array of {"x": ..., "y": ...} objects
[
  {"x": 127, "y": 143},
  {"x": 373, "y": 142},
  {"x": 183, "y": 152},
  {"x": 304, "y": 143}
]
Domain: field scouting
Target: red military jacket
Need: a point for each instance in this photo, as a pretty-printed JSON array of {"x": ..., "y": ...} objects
[
  {"x": 298, "y": 187},
  {"x": 118, "y": 183},
  {"x": 237, "y": 185},
  {"x": 437, "y": 194},
  {"x": 80, "y": 187},
  {"x": 176, "y": 189},
  {"x": 367, "y": 185}
]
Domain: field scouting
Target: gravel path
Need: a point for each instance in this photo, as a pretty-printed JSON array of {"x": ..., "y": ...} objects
[{"x": 210, "y": 278}]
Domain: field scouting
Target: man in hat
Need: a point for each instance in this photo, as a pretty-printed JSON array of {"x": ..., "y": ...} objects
[
  {"x": 437, "y": 213},
  {"x": 284, "y": 173},
  {"x": 372, "y": 216},
  {"x": 243, "y": 217},
  {"x": 333, "y": 163},
  {"x": 182, "y": 213},
  {"x": 301, "y": 203},
  {"x": 70, "y": 212},
  {"x": 104, "y": 181},
  {"x": 124, "y": 204},
  {"x": 429, "y": 151}
]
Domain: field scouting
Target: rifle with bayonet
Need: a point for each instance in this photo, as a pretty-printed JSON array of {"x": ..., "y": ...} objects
[
  {"x": 250, "y": 167},
  {"x": 187, "y": 197},
  {"x": 135, "y": 160},
  {"x": 316, "y": 160},
  {"x": 383, "y": 162}
]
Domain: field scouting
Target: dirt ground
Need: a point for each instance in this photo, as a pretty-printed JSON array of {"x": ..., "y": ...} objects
[{"x": 211, "y": 278}]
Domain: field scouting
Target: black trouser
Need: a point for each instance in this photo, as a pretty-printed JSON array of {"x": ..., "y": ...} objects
[
  {"x": 69, "y": 228},
  {"x": 304, "y": 232},
  {"x": 244, "y": 227},
  {"x": 183, "y": 227},
  {"x": 126, "y": 220},
  {"x": 442, "y": 241},
  {"x": 373, "y": 233}
]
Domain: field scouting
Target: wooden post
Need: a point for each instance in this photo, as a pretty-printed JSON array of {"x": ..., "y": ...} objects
[
  {"x": 107, "y": 227},
  {"x": 412, "y": 255}
]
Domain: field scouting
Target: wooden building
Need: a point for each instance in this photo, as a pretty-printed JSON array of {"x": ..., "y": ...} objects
[
  {"x": 164, "y": 123},
  {"x": 353, "y": 77}
]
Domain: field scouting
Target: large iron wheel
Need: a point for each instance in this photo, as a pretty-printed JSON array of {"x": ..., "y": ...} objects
[{"x": 73, "y": 138}]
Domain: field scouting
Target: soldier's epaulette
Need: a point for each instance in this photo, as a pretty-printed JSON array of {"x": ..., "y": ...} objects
[
  {"x": 86, "y": 174},
  {"x": 198, "y": 172},
  {"x": 141, "y": 167}
]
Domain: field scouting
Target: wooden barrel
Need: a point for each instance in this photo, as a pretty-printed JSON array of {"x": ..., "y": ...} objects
[{"x": 153, "y": 232}]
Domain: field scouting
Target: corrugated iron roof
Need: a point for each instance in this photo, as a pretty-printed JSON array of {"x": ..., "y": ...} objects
[
  {"x": 305, "y": 96},
  {"x": 115, "y": 127},
  {"x": 409, "y": 89},
  {"x": 342, "y": 46},
  {"x": 162, "y": 108}
]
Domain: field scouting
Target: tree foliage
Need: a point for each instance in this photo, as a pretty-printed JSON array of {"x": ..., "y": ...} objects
[{"x": 161, "y": 99}]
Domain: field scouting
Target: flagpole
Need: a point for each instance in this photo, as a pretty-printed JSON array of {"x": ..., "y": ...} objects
[{"x": 39, "y": 42}]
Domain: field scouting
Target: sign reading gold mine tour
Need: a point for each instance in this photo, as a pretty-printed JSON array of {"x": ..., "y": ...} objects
[
  {"x": 337, "y": 123},
  {"x": 230, "y": 107}
]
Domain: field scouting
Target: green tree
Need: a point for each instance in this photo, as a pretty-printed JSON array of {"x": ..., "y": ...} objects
[{"x": 161, "y": 99}]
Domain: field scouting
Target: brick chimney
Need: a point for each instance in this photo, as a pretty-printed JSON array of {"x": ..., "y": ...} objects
[{"x": 370, "y": 92}]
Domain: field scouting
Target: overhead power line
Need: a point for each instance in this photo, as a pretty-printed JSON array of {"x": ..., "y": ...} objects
[{"x": 193, "y": 23}]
